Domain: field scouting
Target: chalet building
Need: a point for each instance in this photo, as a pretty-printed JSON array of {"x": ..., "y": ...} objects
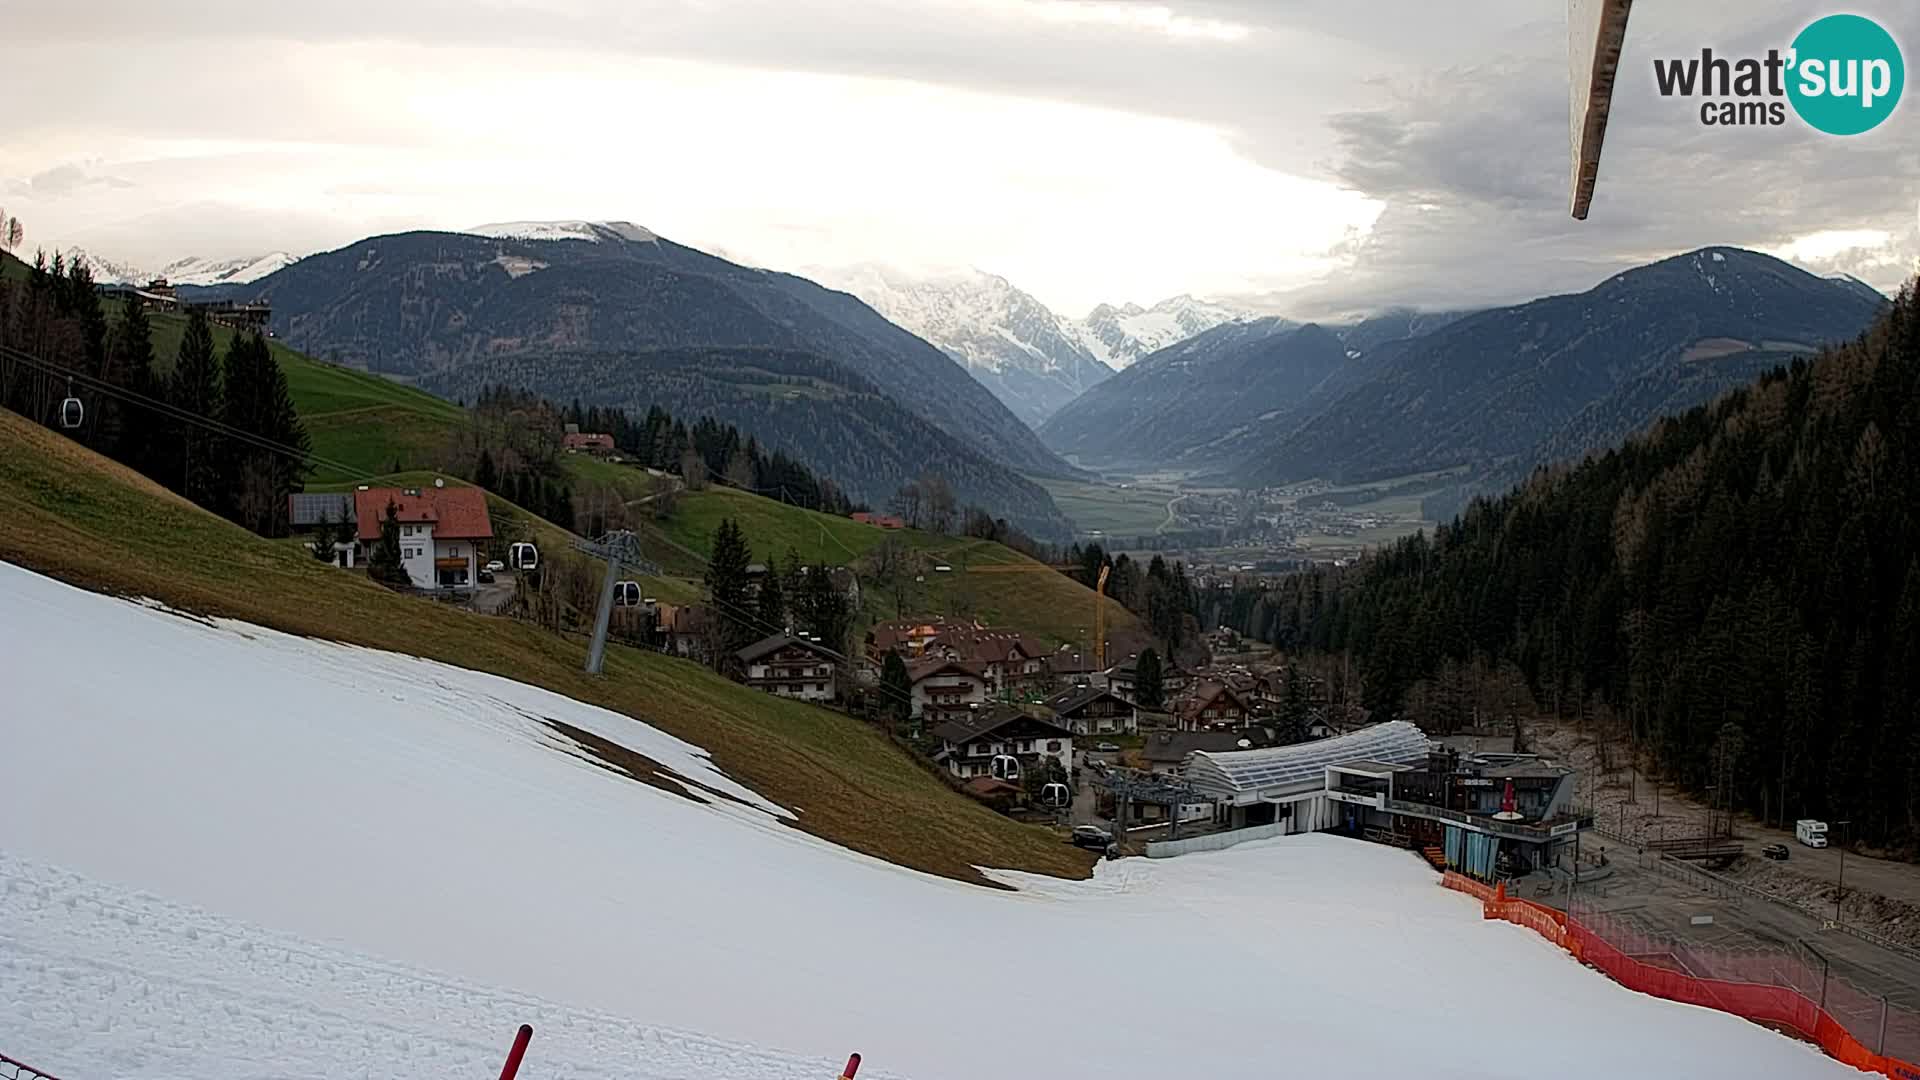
[
  {"x": 908, "y": 637},
  {"x": 684, "y": 630},
  {"x": 443, "y": 531},
  {"x": 1166, "y": 752},
  {"x": 969, "y": 743},
  {"x": 946, "y": 688},
  {"x": 1122, "y": 679},
  {"x": 1011, "y": 663},
  {"x": 1213, "y": 706},
  {"x": 1072, "y": 665},
  {"x": 884, "y": 521},
  {"x": 787, "y": 666},
  {"x": 1092, "y": 710},
  {"x": 586, "y": 442}
]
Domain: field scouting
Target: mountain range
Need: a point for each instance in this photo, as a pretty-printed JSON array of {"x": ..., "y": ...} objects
[
  {"x": 189, "y": 271},
  {"x": 1491, "y": 393},
  {"x": 1118, "y": 336},
  {"x": 616, "y": 315},
  {"x": 1032, "y": 359},
  {"x": 1503, "y": 390},
  {"x": 1164, "y": 407}
]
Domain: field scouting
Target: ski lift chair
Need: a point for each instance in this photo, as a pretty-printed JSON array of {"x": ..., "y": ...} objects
[
  {"x": 523, "y": 556},
  {"x": 71, "y": 411}
]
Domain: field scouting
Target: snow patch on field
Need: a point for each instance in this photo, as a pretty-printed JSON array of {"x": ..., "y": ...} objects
[{"x": 209, "y": 831}]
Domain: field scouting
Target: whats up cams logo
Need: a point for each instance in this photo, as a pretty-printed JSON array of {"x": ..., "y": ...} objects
[{"x": 1842, "y": 75}]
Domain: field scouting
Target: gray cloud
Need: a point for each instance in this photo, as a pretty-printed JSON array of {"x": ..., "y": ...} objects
[
  {"x": 63, "y": 180},
  {"x": 1454, "y": 116},
  {"x": 1472, "y": 162}
]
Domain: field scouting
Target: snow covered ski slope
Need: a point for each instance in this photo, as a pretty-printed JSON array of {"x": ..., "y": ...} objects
[{"x": 226, "y": 852}]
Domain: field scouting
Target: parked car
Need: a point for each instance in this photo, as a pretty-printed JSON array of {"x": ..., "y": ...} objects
[
  {"x": 1091, "y": 836},
  {"x": 496, "y": 566},
  {"x": 486, "y": 576},
  {"x": 1775, "y": 851},
  {"x": 1107, "y": 747}
]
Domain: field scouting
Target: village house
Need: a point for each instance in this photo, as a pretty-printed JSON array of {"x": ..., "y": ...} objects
[
  {"x": 943, "y": 688},
  {"x": 908, "y": 637},
  {"x": 1092, "y": 710},
  {"x": 575, "y": 441},
  {"x": 1122, "y": 679},
  {"x": 969, "y": 743},
  {"x": 884, "y": 521},
  {"x": 787, "y": 666},
  {"x": 1166, "y": 752},
  {"x": 443, "y": 531},
  {"x": 1011, "y": 663},
  {"x": 1213, "y": 706},
  {"x": 684, "y": 630}
]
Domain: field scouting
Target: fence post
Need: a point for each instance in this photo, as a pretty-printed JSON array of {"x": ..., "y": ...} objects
[{"x": 1880, "y": 1044}]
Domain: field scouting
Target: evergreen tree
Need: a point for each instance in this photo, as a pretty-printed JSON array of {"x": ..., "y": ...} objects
[
  {"x": 197, "y": 388},
  {"x": 822, "y": 610},
  {"x": 140, "y": 441},
  {"x": 772, "y": 607},
  {"x": 259, "y": 474},
  {"x": 484, "y": 475},
  {"x": 896, "y": 688},
  {"x": 726, "y": 581},
  {"x": 324, "y": 537},
  {"x": 1149, "y": 686},
  {"x": 384, "y": 563},
  {"x": 1293, "y": 718}
]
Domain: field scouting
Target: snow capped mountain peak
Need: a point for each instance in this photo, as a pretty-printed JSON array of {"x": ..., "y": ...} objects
[
  {"x": 193, "y": 270},
  {"x": 1012, "y": 343},
  {"x": 1119, "y": 336},
  {"x": 197, "y": 271},
  {"x": 592, "y": 232}
]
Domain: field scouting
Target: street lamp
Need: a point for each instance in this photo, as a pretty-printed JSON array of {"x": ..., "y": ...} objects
[{"x": 1839, "y": 887}]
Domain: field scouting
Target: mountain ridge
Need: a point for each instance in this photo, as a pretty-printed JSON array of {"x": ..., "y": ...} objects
[
  {"x": 1030, "y": 357},
  {"x": 1495, "y": 389},
  {"x": 422, "y": 305}
]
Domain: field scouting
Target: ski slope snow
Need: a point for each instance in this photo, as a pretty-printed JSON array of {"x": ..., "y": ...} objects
[{"x": 228, "y": 852}]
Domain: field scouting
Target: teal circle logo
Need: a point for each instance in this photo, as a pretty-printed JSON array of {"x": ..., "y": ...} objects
[{"x": 1846, "y": 74}]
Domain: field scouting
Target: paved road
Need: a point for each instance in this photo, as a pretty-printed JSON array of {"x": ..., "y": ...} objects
[{"x": 491, "y": 599}]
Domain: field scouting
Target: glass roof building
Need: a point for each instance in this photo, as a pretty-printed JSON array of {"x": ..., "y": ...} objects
[{"x": 1243, "y": 777}]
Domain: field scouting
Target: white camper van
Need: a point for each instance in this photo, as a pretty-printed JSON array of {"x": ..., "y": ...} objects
[{"x": 1810, "y": 832}]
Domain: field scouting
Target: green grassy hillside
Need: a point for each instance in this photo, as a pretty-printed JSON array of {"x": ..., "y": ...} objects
[
  {"x": 67, "y": 512},
  {"x": 987, "y": 580},
  {"x": 357, "y": 420}
]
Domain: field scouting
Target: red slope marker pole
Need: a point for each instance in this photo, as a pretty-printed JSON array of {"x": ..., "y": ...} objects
[
  {"x": 520, "y": 1040},
  {"x": 853, "y": 1066}
]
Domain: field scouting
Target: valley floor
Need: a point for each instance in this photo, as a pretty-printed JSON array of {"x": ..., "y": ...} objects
[{"x": 210, "y": 831}]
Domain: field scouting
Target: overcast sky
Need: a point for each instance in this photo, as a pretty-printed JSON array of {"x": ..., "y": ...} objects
[{"x": 1306, "y": 156}]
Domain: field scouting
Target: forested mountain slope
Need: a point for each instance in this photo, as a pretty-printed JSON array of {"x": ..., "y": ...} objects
[{"x": 1744, "y": 580}]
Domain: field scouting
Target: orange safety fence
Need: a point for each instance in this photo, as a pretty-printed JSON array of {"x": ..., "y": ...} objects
[
  {"x": 1781, "y": 1007},
  {"x": 1462, "y": 883}
]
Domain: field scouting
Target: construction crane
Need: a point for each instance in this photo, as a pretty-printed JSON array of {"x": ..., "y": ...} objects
[{"x": 1099, "y": 595}]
